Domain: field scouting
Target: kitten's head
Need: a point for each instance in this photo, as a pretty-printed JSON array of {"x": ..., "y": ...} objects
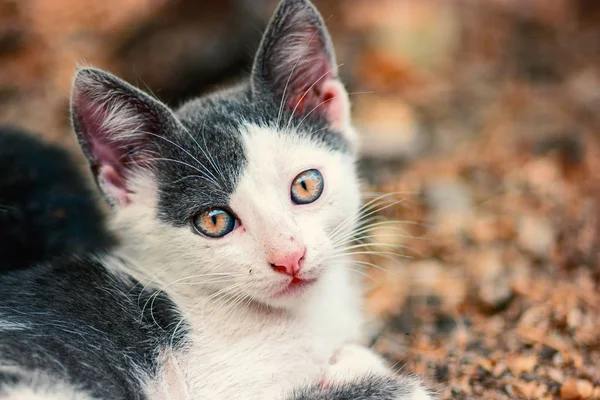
[{"x": 250, "y": 191}]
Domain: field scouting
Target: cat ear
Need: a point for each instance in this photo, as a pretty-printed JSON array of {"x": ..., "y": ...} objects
[
  {"x": 117, "y": 127},
  {"x": 296, "y": 63}
]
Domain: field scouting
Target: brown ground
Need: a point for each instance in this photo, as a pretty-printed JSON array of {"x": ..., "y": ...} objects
[{"x": 482, "y": 115}]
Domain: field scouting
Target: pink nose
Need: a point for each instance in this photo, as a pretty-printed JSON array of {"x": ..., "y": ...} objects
[{"x": 289, "y": 263}]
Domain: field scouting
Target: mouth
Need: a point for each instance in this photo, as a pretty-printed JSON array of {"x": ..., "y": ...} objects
[{"x": 295, "y": 287}]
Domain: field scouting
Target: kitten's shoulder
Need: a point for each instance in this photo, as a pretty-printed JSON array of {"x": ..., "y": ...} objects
[
  {"x": 79, "y": 322},
  {"x": 94, "y": 289}
]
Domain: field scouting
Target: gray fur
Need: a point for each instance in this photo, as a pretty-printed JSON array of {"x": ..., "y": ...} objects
[{"x": 367, "y": 388}]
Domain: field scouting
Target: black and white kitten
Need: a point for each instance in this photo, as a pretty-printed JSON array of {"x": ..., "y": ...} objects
[{"x": 231, "y": 279}]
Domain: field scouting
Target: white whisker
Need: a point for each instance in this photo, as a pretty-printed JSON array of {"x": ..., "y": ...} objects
[
  {"x": 207, "y": 171},
  {"x": 359, "y": 217}
]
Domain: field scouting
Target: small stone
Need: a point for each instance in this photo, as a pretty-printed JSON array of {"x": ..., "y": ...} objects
[
  {"x": 441, "y": 372},
  {"x": 536, "y": 236},
  {"x": 585, "y": 388},
  {"x": 547, "y": 353},
  {"x": 427, "y": 273},
  {"x": 574, "y": 318},
  {"x": 527, "y": 390},
  {"x": 528, "y": 376},
  {"x": 509, "y": 390},
  {"x": 485, "y": 364},
  {"x": 448, "y": 196},
  {"x": 445, "y": 323},
  {"x": 451, "y": 206},
  {"x": 555, "y": 374},
  {"x": 403, "y": 322},
  {"x": 496, "y": 295},
  {"x": 558, "y": 359},
  {"x": 569, "y": 390},
  {"x": 483, "y": 230},
  {"x": 499, "y": 369},
  {"x": 523, "y": 364},
  {"x": 456, "y": 390},
  {"x": 433, "y": 301},
  {"x": 491, "y": 281},
  {"x": 390, "y": 126},
  {"x": 506, "y": 227}
]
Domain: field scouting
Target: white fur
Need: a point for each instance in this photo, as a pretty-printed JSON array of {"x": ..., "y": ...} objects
[
  {"x": 6, "y": 325},
  {"x": 114, "y": 115},
  {"x": 245, "y": 343},
  {"x": 39, "y": 387},
  {"x": 353, "y": 362},
  {"x": 262, "y": 345},
  {"x": 64, "y": 393}
]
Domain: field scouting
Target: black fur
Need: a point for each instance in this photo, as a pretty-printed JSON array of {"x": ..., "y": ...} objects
[
  {"x": 82, "y": 325},
  {"x": 46, "y": 206}
]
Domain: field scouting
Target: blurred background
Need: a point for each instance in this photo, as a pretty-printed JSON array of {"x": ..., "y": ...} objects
[{"x": 483, "y": 115}]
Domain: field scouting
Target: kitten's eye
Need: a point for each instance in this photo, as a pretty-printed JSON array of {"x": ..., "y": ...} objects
[
  {"x": 214, "y": 223},
  {"x": 307, "y": 187}
]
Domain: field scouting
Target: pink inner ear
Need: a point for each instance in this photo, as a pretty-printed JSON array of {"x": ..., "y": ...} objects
[
  {"x": 108, "y": 128},
  {"x": 338, "y": 107},
  {"x": 326, "y": 98},
  {"x": 110, "y": 156},
  {"x": 113, "y": 184}
]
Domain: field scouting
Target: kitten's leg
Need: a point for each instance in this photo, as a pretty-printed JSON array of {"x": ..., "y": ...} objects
[
  {"x": 358, "y": 373},
  {"x": 354, "y": 361}
]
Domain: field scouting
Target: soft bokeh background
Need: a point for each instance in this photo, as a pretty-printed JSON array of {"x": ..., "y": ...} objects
[{"x": 483, "y": 115}]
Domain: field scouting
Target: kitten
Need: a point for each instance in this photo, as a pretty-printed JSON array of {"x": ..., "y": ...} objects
[{"x": 231, "y": 278}]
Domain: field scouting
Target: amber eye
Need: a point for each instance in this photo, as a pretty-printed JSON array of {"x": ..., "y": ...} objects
[
  {"x": 214, "y": 223},
  {"x": 307, "y": 187}
]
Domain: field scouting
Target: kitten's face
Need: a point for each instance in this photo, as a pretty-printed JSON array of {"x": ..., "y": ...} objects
[
  {"x": 249, "y": 193},
  {"x": 269, "y": 226}
]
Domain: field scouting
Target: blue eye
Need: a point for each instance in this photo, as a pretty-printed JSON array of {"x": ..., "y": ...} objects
[
  {"x": 307, "y": 187},
  {"x": 214, "y": 222}
]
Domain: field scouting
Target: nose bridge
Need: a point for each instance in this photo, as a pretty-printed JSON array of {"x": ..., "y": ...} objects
[
  {"x": 269, "y": 217},
  {"x": 280, "y": 235},
  {"x": 275, "y": 221}
]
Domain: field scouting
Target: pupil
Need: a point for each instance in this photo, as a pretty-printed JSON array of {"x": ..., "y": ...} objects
[
  {"x": 304, "y": 185},
  {"x": 214, "y": 218}
]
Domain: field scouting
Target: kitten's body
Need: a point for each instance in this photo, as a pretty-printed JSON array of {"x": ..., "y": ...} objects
[
  {"x": 258, "y": 349},
  {"x": 266, "y": 310},
  {"x": 262, "y": 352},
  {"x": 46, "y": 207}
]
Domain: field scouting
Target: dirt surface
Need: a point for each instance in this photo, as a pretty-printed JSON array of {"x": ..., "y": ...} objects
[{"x": 480, "y": 122}]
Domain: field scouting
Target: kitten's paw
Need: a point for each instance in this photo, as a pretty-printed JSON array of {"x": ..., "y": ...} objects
[
  {"x": 418, "y": 392},
  {"x": 369, "y": 387},
  {"x": 357, "y": 365},
  {"x": 353, "y": 362}
]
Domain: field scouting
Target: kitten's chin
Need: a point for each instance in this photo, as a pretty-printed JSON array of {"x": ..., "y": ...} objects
[
  {"x": 291, "y": 294},
  {"x": 297, "y": 288}
]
